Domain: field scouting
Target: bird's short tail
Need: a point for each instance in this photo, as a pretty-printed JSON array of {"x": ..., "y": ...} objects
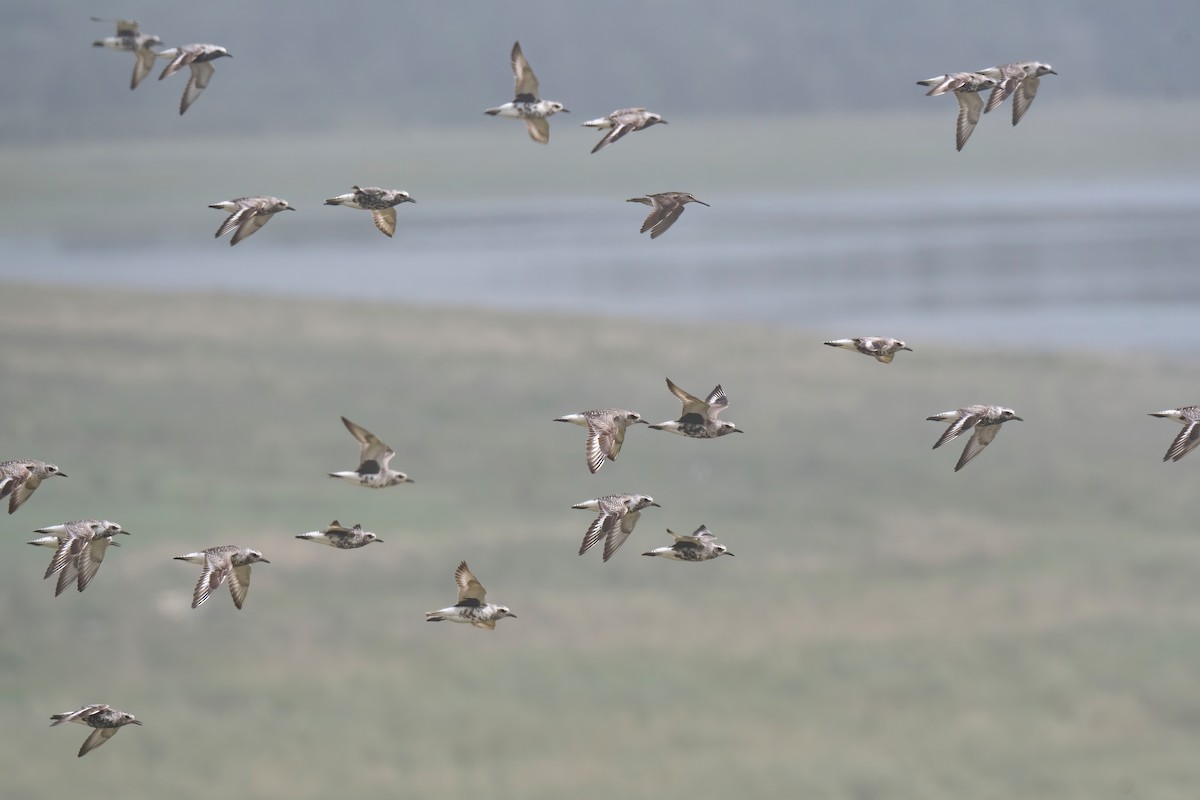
[{"x": 434, "y": 616}]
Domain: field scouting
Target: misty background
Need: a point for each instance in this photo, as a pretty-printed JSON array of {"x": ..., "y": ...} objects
[{"x": 889, "y": 628}]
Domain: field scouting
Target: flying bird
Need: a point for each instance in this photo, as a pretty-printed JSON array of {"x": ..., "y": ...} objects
[
  {"x": 247, "y": 215},
  {"x": 104, "y": 718},
  {"x": 881, "y": 348},
  {"x": 667, "y": 207},
  {"x": 130, "y": 40},
  {"x": 606, "y": 432},
  {"x": 1189, "y": 437},
  {"x": 526, "y": 105},
  {"x": 983, "y": 421},
  {"x": 80, "y": 547},
  {"x": 340, "y": 537},
  {"x": 619, "y": 513},
  {"x": 373, "y": 458},
  {"x": 380, "y": 202},
  {"x": 199, "y": 58},
  {"x": 966, "y": 87},
  {"x": 699, "y": 417},
  {"x": 220, "y": 563},
  {"x": 1020, "y": 80},
  {"x": 621, "y": 122},
  {"x": 699, "y": 545},
  {"x": 20, "y": 478},
  {"x": 470, "y": 607}
]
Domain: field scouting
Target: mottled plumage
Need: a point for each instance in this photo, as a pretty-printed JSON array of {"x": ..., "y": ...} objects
[
  {"x": 247, "y": 215},
  {"x": 526, "y": 104},
  {"x": 380, "y": 202},
  {"x": 966, "y": 87},
  {"x": 699, "y": 417},
  {"x": 983, "y": 420},
  {"x": 20, "y": 478},
  {"x": 621, "y": 122},
  {"x": 470, "y": 607},
  {"x": 199, "y": 58},
  {"x": 104, "y": 718},
  {"x": 1019, "y": 79},
  {"x": 1189, "y": 437},
  {"x": 340, "y": 537},
  {"x": 373, "y": 458},
  {"x": 130, "y": 40},
  {"x": 619, "y": 513},
  {"x": 80, "y": 547},
  {"x": 220, "y": 563},
  {"x": 881, "y": 348},
  {"x": 606, "y": 432},
  {"x": 700, "y": 545},
  {"x": 667, "y": 206}
]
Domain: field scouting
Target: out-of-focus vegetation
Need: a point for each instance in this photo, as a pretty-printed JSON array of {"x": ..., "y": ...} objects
[{"x": 889, "y": 628}]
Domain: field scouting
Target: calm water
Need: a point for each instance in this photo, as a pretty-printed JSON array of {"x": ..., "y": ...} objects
[{"x": 1105, "y": 266}]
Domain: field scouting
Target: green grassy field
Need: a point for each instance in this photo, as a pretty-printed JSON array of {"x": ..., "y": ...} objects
[{"x": 889, "y": 629}]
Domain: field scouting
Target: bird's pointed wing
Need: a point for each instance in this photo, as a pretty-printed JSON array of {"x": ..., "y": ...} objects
[
  {"x": 619, "y": 532},
  {"x": 660, "y": 209},
  {"x": 969, "y": 107},
  {"x": 539, "y": 129},
  {"x": 599, "y": 528},
  {"x": 599, "y": 442},
  {"x": 239, "y": 584},
  {"x": 691, "y": 403},
  {"x": 372, "y": 450},
  {"x": 956, "y": 428},
  {"x": 385, "y": 220},
  {"x": 251, "y": 221},
  {"x": 182, "y": 58},
  {"x": 215, "y": 571},
  {"x": 19, "y": 493},
  {"x": 233, "y": 221},
  {"x": 143, "y": 62},
  {"x": 1023, "y": 95},
  {"x": 980, "y": 439},
  {"x": 526, "y": 81},
  {"x": 98, "y": 737},
  {"x": 90, "y": 558},
  {"x": 1000, "y": 93},
  {"x": 202, "y": 71},
  {"x": 82, "y": 713},
  {"x": 469, "y": 589},
  {"x": 716, "y": 402},
  {"x": 614, "y": 133},
  {"x": 66, "y": 576},
  {"x": 68, "y": 550},
  {"x": 1184, "y": 443}
]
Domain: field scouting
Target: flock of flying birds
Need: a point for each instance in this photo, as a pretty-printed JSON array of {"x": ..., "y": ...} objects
[
  {"x": 80, "y": 546},
  {"x": 248, "y": 214}
]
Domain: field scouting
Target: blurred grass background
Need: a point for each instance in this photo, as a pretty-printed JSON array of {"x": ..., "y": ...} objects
[{"x": 888, "y": 629}]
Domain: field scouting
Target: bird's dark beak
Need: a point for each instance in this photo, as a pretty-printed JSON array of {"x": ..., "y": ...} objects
[
  {"x": 642, "y": 422},
  {"x": 728, "y": 553},
  {"x": 409, "y": 480},
  {"x": 1018, "y": 419},
  {"x": 263, "y": 561},
  {"x": 656, "y": 505},
  {"x": 136, "y": 721},
  {"x": 410, "y": 200},
  {"x": 738, "y": 430},
  {"x": 378, "y": 539},
  {"x": 701, "y": 202},
  {"x": 289, "y": 208},
  {"x": 512, "y": 615},
  {"x": 1051, "y": 72},
  {"x": 909, "y": 349},
  {"x": 565, "y": 111},
  {"x": 62, "y": 474}
]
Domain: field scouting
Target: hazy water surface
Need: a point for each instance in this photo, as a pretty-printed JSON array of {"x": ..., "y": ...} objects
[{"x": 1057, "y": 266}]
